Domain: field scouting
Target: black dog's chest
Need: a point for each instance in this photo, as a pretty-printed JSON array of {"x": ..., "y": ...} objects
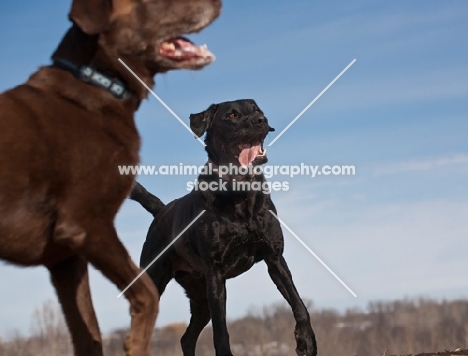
[
  {"x": 243, "y": 232},
  {"x": 239, "y": 245}
]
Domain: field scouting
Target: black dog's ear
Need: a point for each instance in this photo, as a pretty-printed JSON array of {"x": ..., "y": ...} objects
[
  {"x": 200, "y": 122},
  {"x": 92, "y": 16}
]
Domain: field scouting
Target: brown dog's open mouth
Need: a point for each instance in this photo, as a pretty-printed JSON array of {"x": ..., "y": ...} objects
[
  {"x": 250, "y": 153},
  {"x": 181, "y": 49}
]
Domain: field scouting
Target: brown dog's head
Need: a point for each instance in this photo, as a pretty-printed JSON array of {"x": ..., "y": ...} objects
[
  {"x": 147, "y": 34},
  {"x": 235, "y": 131}
]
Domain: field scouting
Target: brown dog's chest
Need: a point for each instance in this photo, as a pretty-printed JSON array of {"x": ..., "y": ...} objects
[{"x": 67, "y": 165}]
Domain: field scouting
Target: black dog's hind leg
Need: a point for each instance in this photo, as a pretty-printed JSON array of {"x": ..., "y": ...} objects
[
  {"x": 281, "y": 276},
  {"x": 160, "y": 270},
  {"x": 196, "y": 291}
]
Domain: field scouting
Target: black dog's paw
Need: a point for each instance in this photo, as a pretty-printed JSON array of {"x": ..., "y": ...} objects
[
  {"x": 306, "y": 345},
  {"x": 310, "y": 350}
]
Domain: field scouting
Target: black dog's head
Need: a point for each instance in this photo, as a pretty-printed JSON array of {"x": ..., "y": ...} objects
[{"x": 235, "y": 131}]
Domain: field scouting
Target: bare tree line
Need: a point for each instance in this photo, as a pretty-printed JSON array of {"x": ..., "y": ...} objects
[{"x": 385, "y": 328}]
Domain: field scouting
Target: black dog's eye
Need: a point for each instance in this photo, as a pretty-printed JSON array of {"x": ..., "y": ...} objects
[
  {"x": 232, "y": 115},
  {"x": 257, "y": 111}
]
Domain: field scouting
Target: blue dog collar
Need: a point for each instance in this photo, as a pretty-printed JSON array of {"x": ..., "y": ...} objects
[{"x": 92, "y": 76}]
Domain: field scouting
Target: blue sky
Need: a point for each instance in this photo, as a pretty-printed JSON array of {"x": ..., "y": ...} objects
[{"x": 398, "y": 228}]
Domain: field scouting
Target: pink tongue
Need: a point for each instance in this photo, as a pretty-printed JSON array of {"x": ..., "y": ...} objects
[
  {"x": 248, "y": 155},
  {"x": 185, "y": 45}
]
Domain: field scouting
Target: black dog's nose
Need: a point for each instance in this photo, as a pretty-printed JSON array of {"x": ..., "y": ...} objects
[{"x": 259, "y": 120}]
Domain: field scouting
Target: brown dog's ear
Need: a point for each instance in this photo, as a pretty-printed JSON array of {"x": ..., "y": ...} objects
[
  {"x": 200, "y": 122},
  {"x": 92, "y": 16}
]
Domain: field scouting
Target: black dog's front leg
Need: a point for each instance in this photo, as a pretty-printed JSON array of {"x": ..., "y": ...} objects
[
  {"x": 216, "y": 292},
  {"x": 281, "y": 276}
]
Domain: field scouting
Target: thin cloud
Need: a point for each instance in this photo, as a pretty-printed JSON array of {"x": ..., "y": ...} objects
[{"x": 423, "y": 165}]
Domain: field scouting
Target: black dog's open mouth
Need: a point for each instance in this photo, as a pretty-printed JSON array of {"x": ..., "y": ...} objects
[
  {"x": 251, "y": 153},
  {"x": 181, "y": 49}
]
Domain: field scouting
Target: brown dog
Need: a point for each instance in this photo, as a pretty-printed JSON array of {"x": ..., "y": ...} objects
[{"x": 63, "y": 135}]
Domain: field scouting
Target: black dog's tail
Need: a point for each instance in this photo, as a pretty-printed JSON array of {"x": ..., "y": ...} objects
[{"x": 146, "y": 199}]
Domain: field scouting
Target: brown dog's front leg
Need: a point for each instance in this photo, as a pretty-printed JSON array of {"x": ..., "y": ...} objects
[
  {"x": 70, "y": 279},
  {"x": 97, "y": 241},
  {"x": 216, "y": 292},
  {"x": 281, "y": 276},
  {"x": 106, "y": 253}
]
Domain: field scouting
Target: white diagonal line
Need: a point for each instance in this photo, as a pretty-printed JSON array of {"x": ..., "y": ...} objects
[
  {"x": 162, "y": 102},
  {"x": 313, "y": 254},
  {"x": 312, "y": 102},
  {"x": 157, "y": 257}
]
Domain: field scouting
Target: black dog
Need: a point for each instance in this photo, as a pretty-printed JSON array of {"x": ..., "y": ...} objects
[{"x": 236, "y": 231}]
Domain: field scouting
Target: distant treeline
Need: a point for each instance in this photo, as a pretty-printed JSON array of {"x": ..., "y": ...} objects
[{"x": 386, "y": 328}]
